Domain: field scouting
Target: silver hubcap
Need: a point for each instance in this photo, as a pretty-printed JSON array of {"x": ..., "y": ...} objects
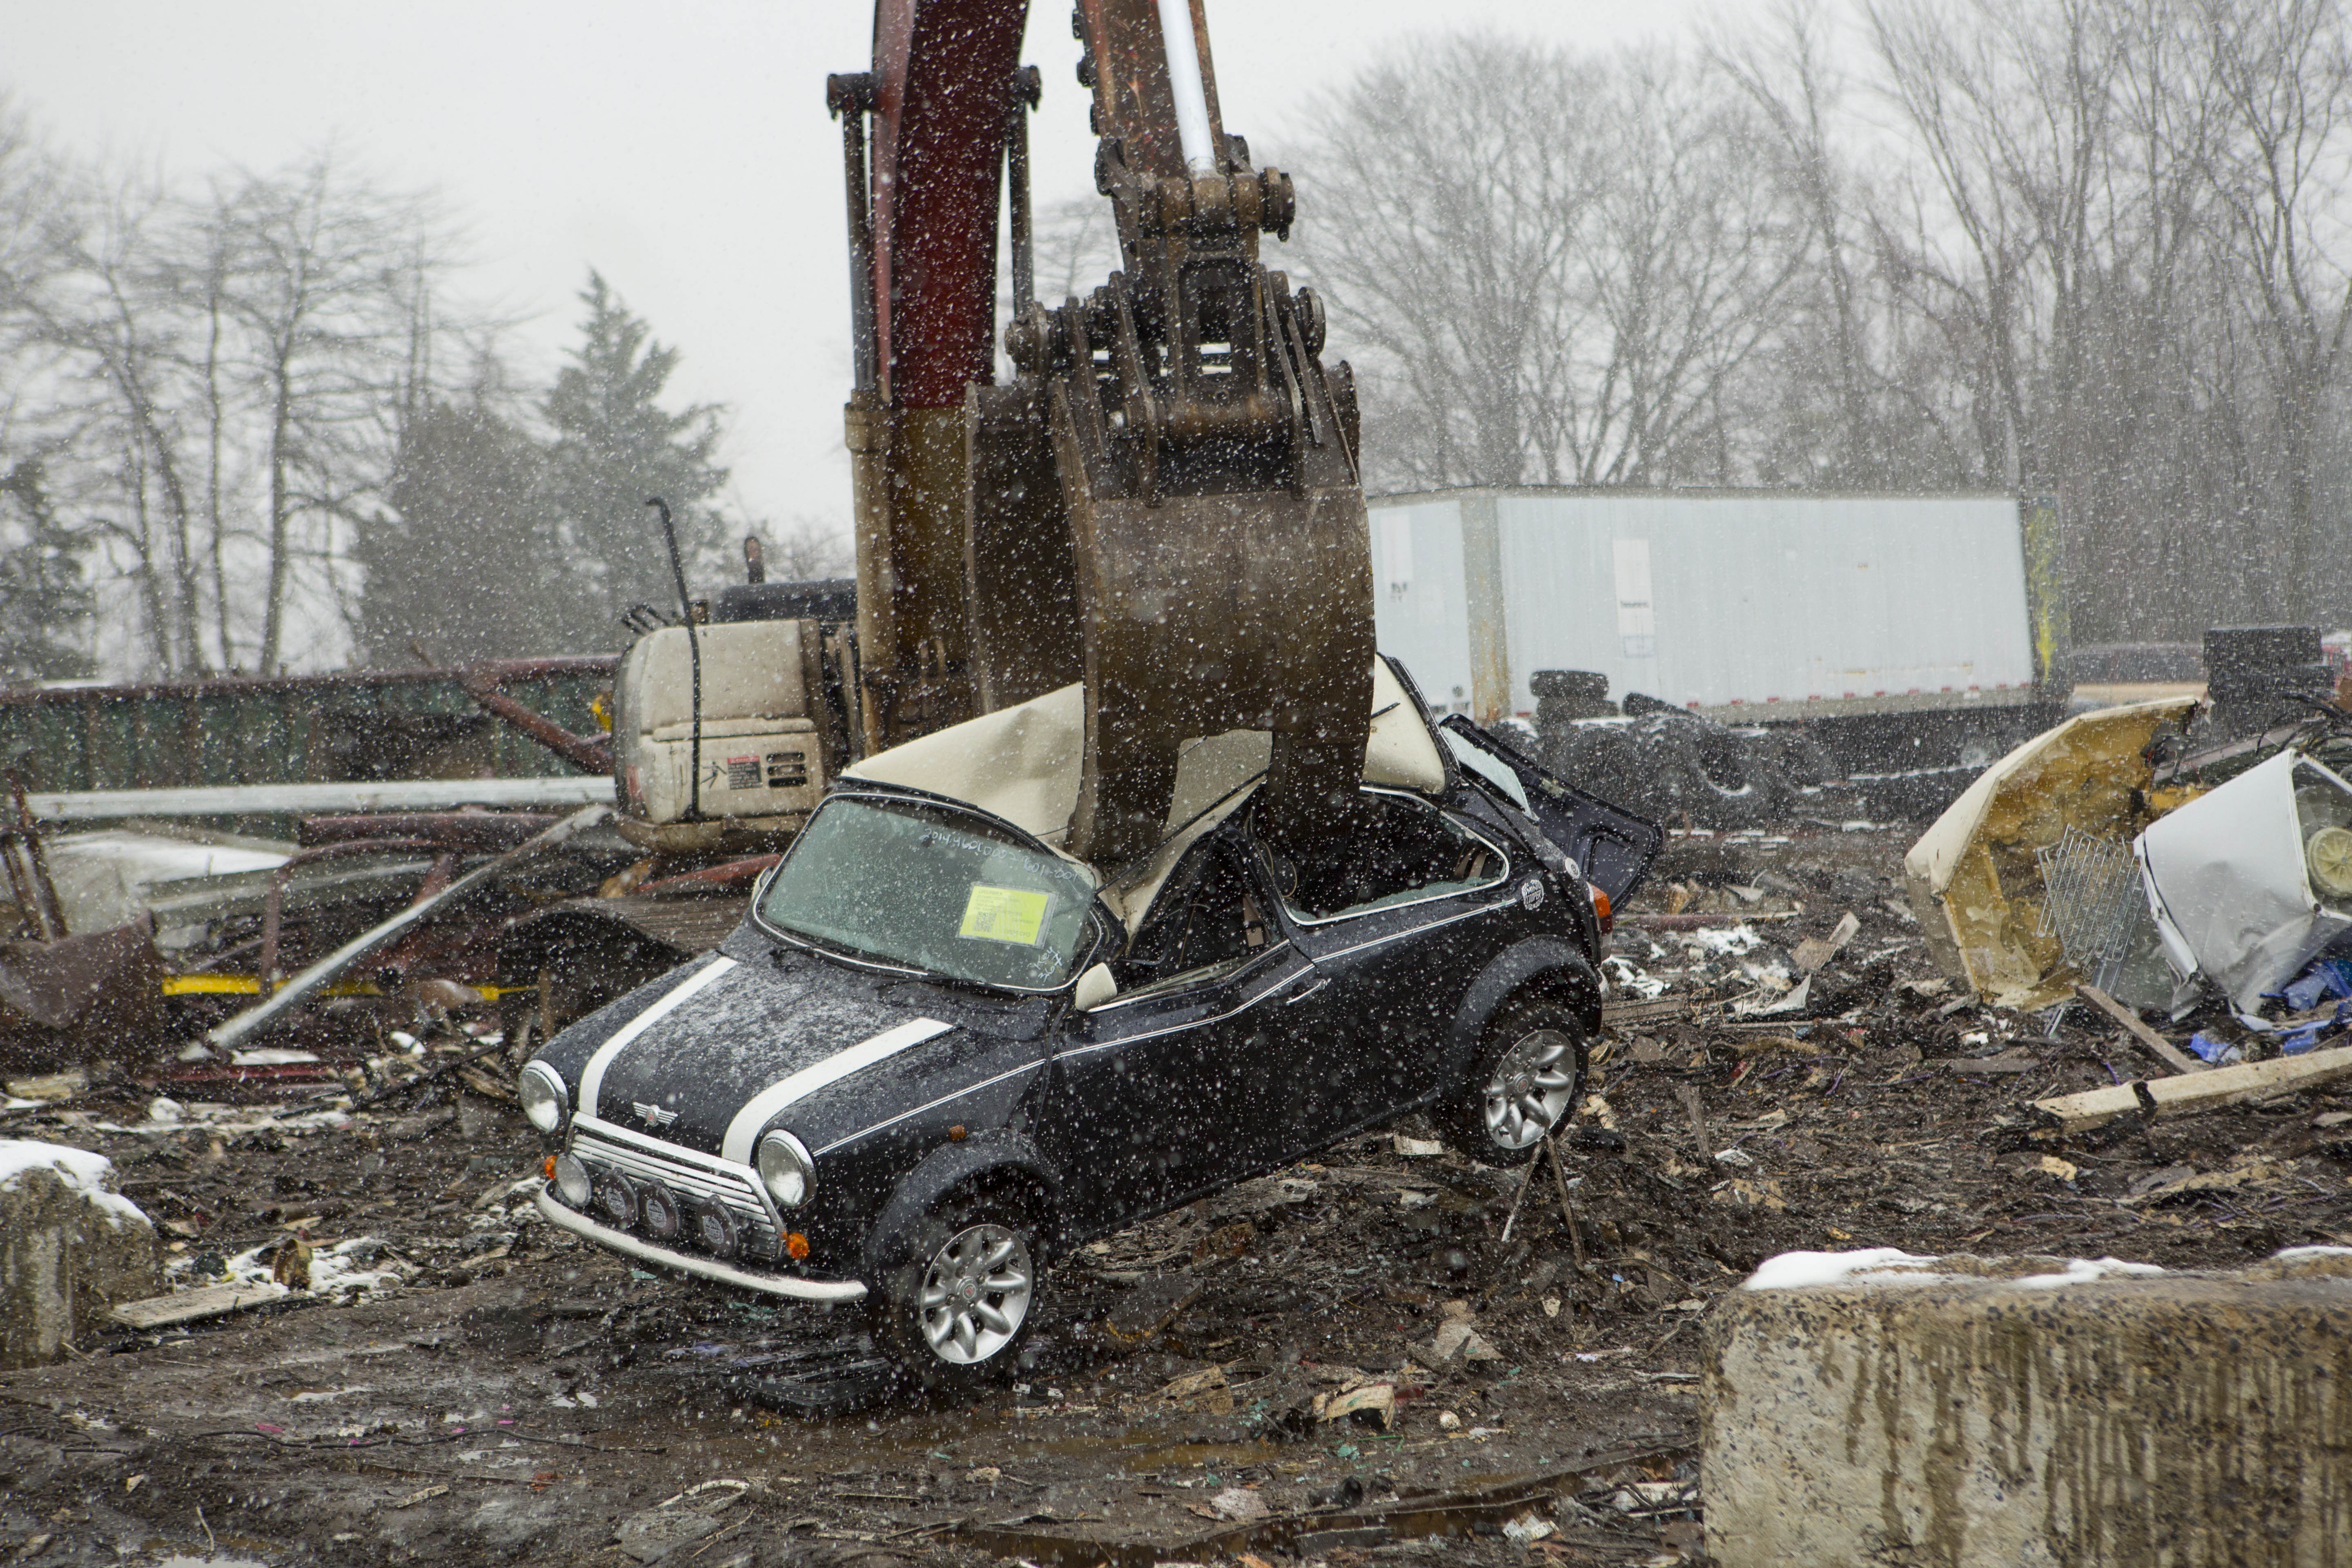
[
  {"x": 1531, "y": 1087},
  {"x": 975, "y": 1294}
]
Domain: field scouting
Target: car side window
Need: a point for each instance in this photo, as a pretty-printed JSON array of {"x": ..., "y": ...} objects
[
  {"x": 1205, "y": 922},
  {"x": 1398, "y": 850}
]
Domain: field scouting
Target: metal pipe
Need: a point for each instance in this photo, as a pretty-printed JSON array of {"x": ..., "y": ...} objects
[
  {"x": 1016, "y": 184},
  {"x": 273, "y": 902},
  {"x": 502, "y": 669},
  {"x": 851, "y": 96},
  {"x": 1184, "y": 83},
  {"x": 694, "y": 659}
]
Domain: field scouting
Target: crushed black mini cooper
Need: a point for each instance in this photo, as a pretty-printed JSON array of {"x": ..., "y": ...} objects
[{"x": 938, "y": 1051}]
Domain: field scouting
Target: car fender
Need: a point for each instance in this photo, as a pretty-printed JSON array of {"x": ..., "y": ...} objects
[
  {"x": 1535, "y": 959},
  {"x": 946, "y": 1168}
]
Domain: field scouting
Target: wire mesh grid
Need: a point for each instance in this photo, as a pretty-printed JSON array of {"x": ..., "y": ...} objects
[{"x": 2090, "y": 900}]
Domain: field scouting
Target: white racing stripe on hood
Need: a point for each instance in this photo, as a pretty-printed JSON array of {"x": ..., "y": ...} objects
[
  {"x": 592, "y": 1077},
  {"x": 743, "y": 1132}
]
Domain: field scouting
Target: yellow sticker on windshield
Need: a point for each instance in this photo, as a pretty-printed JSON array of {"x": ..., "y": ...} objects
[{"x": 1004, "y": 914}]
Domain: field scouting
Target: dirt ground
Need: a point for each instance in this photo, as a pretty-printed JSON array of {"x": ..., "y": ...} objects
[{"x": 499, "y": 1393}]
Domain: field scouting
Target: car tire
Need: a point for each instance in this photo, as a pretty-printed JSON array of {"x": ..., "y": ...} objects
[
  {"x": 956, "y": 1311},
  {"x": 1532, "y": 1050}
]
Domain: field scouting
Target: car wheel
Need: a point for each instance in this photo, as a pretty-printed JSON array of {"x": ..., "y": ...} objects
[
  {"x": 956, "y": 1312},
  {"x": 1528, "y": 1077}
]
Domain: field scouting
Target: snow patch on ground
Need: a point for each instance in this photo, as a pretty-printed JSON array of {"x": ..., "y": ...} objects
[
  {"x": 1722, "y": 942},
  {"x": 346, "y": 1268},
  {"x": 2083, "y": 1271},
  {"x": 1627, "y": 978},
  {"x": 1797, "y": 1270},
  {"x": 93, "y": 1174}
]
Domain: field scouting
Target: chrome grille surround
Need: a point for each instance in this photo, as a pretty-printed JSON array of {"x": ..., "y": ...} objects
[{"x": 601, "y": 1146}]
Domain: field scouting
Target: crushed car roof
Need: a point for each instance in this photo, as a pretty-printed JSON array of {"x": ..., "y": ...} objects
[{"x": 1021, "y": 763}]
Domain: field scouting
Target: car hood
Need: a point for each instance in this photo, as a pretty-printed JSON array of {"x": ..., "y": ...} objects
[{"x": 752, "y": 1036}]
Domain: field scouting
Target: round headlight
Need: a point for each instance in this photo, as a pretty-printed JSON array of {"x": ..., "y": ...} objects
[
  {"x": 572, "y": 1183},
  {"x": 785, "y": 1169},
  {"x": 544, "y": 1102}
]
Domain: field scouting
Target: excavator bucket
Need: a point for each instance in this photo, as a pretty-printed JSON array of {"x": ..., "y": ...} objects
[{"x": 1164, "y": 503}]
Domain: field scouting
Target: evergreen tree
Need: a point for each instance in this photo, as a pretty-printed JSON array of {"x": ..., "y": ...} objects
[
  {"x": 614, "y": 447},
  {"x": 467, "y": 565},
  {"x": 45, "y": 600}
]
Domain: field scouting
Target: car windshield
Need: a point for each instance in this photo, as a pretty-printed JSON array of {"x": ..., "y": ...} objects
[{"x": 933, "y": 889}]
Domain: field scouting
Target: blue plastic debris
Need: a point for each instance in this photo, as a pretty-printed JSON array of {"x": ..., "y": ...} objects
[
  {"x": 2308, "y": 1036},
  {"x": 2326, "y": 977},
  {"x": 2219, "y": 1052}
]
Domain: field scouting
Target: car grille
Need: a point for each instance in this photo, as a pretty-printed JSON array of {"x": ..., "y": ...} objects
[{"x": 688, "y": 1174}]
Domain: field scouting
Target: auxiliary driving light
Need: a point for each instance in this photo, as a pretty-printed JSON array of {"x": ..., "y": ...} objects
[
  {"x": 617, "y": 1198},
  {"x": 665, "y": 1217},
  {"x": 715, "y": 1229},
  {"x": 572, "y": 1182},
  {"x": 544, "y": 1100},
  {"x": 785, "y": 1169}
]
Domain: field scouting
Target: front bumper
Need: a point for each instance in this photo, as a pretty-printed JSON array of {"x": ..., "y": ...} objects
[{"x": 553, "y": 1211}]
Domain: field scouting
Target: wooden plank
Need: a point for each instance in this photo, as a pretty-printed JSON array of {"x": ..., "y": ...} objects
[
  {"x": 1815, "y": 950},
  {"x": 189, "y": 1306},
  {"x": 2190, "y": 1093},
  {"x": 1615, "y": 1015},
  {"x": 2165, "y": 1051}
]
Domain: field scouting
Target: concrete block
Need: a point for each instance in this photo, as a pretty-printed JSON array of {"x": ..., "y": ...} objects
[
  {"x": 70, "y": 1248},
  {"x": 1871, "y": 1408}
]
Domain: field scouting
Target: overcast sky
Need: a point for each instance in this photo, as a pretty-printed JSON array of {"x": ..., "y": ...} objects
[{"x": 683, "y": 149}]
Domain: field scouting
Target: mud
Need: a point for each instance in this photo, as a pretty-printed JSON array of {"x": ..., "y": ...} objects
[{"x": 467, "y": 1385}]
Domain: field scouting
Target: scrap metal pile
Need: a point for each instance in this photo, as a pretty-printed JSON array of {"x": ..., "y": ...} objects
[{"x": 1358, "y": 1350}]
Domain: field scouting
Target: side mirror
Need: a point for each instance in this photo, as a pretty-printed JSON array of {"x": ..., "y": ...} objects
[{"x": 1095, "y": 987}]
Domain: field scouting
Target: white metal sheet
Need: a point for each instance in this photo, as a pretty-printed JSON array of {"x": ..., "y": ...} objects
[
  {"x": 308, "y": 799},
  {"x": 2227, "y": 883}
]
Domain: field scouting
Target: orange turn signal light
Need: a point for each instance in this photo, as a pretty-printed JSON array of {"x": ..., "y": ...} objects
[
  {"x": 796, "y": 1243},
  {"x": 1601, "y": 908},
  {"x": 550, "y": 1167}
]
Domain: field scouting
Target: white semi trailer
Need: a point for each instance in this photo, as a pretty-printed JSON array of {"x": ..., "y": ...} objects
[
  {"x": 1911, "y": 638},
  {"x": 1737, "y": 604}
]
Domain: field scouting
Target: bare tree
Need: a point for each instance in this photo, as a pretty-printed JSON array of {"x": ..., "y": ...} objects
[
  {"x": 320, "y": 273},
  {"x": 1441, "y": 196},
  {"x": 1552, "y": 268},
  {"x": 2286, "y": 77},
  {"x": 1692, "y": 251},
  {"x": 805, "y": 549}
]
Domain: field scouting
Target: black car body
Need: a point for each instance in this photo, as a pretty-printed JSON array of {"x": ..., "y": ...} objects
[{"x": 1093, "y": 1047}]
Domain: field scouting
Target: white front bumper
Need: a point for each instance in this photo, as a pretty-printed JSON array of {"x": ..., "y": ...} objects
[{"x": 553, "y": 1211}]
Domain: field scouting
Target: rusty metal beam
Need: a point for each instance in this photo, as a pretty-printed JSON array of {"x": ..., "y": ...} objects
[
  {"x": 299, "y": 989},
  {"x": 589, "y": 754}
]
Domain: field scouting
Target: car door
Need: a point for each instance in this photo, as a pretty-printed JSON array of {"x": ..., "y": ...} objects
[
  {"x": 1396, "y": 916},
  {"x": 1169, "y": 1088},
  {"x": 1613, "y": 845}
]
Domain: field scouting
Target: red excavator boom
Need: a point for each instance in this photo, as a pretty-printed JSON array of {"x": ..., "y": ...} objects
[{"x": 1164, "y": 501}]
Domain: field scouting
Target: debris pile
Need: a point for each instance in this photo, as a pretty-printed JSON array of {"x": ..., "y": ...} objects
[{"x": 1184, "y": 1358}]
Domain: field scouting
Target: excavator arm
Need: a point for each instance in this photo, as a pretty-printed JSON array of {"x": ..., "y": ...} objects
[{"x": 1164, "y": 501}]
